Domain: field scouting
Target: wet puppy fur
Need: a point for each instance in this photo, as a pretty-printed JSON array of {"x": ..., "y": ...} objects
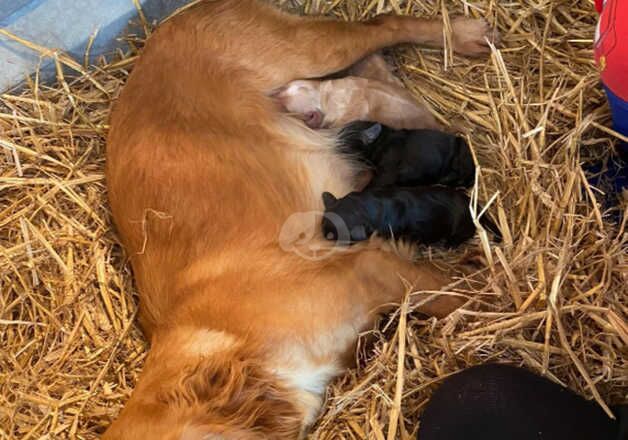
[
  {"x": 410, "y": 157},
  {"x": 423, "y": 215}
]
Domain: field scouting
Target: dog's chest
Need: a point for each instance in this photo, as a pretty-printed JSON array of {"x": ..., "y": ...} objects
[{"x": 308, "y": 365}]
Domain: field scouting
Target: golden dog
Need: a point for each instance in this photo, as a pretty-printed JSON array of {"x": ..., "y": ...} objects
[{"x": 204, "y": 173}]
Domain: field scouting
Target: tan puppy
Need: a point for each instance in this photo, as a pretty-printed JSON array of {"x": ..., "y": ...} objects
[
  {"x": 374, "y": 66},
  {"x": 215, "y": 192},
  {"x": 337, "y": 102}
]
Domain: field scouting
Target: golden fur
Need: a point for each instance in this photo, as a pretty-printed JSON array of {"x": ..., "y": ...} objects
[{"x": 203, "y": 172}]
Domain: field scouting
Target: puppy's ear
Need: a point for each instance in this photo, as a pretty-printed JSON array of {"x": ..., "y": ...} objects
[
  {"x": 314, "y": 119},
  {"x": 329, "y": 200},
  {"x": 369, "y": 135}
]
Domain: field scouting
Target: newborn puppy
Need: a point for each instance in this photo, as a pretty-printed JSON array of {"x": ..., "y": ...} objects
[
  {"x": 337, "y": 102},
  {"x": 410, "y": 157},
  {"x": 356, "y": 139},
  {"x": 423, "y": 215}
]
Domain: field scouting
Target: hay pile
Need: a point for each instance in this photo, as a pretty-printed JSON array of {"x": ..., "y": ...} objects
[{"x": 552, "y": 297}]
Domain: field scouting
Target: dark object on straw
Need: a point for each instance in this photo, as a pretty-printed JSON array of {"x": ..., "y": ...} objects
[
  {"x": 422, "y": 215},
  {"x": 500, "y": 402}
]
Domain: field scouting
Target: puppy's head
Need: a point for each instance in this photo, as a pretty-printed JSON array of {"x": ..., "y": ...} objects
[
  {"x": 360, "y": 134},
  {"x": 346, "y": 220},
  {"x": 303, "y": 98}
]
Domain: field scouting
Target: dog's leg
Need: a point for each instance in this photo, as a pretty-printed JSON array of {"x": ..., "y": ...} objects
[
  {"x": 388, "y": 276},
  {"x": 336, "y": 45},
  {"x": 279, "y": 47}
]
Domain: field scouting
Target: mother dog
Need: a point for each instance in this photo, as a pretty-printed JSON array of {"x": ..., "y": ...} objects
[{"x": 203, "y": 170}]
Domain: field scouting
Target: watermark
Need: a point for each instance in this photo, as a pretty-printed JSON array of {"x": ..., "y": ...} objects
[{"x": 314, "y": 235}]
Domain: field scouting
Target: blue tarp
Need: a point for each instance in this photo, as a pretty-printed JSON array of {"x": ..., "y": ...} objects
[{"x": 66, "y": 25}]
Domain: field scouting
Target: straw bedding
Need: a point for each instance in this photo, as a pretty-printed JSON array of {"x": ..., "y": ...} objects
[{"x": 552, "y": 297}]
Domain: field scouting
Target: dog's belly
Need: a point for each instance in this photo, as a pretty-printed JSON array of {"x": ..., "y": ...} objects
[
  {"x": 329, "y": 171},
  {"x": 317, "y": 155}
]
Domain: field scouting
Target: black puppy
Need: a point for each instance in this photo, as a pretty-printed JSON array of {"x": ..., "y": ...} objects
[
  {"x": 410, "y": 157},
  {"x": 421, "y": 214}
]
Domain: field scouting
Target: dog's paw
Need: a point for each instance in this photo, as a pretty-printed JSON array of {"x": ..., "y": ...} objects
[{"x": 471, "y": 36}]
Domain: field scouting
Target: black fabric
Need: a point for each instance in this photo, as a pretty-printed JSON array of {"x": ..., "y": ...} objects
[{"x": 500, "y": 402}]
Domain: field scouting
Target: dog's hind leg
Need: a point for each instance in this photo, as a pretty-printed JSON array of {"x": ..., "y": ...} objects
[
  {"x": 389, "y": 275},
  {"x": 278, "y": 47}
]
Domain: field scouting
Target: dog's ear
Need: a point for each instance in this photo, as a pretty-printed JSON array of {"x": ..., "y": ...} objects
[
  {"x": 329, "y": 200},
  {"x": 369, "y": 135}
]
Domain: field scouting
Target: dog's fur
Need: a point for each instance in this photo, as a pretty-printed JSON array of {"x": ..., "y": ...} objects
[
  {"x": 423, "y": 215},
  {"x": 202, "y": 171},
  {"x": 410, "y": 157}
]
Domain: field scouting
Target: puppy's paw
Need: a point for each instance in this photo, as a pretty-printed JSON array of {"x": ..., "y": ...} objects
[{"x": 471, "y": 36}]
